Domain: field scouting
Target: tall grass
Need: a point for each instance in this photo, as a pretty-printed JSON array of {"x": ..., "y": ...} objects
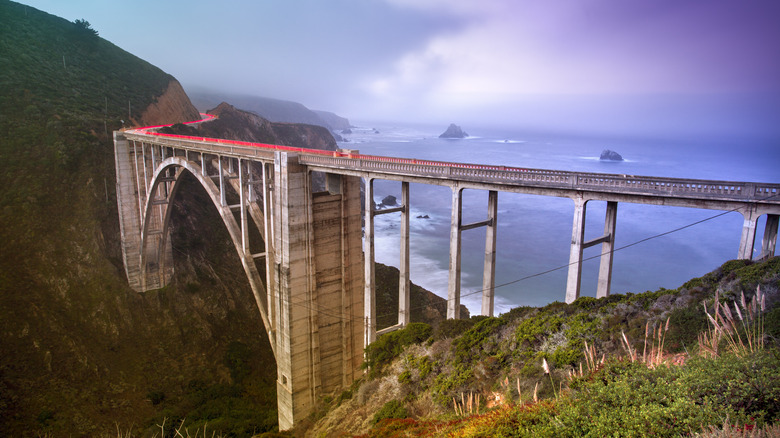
[{"x": 743, "y": 333}]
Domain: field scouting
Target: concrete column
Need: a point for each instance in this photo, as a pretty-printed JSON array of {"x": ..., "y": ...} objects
[
  {"x": 370, "y": 289},
  {"x": 221, "y": 182},
  {"x": 270, "y": 266},
  {"x": 146, "y": 179},
  {"x": 607, "y": 251},
  {"x": 748, "y": 240},
  {"x": 489, "y": 270},
  {"x": 453, "y": 290},
  {"x": 404, "y": 312},
  {"x": 575, "y": 255},
  {"x": 137, "y": 197},
  {"x": 770, "y": 236},
  {"x": 297, "y": 355},
  {"x": 242, "y": 193}
]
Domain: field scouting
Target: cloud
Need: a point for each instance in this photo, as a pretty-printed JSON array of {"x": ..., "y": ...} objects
[{"x": 510, "y": 50}]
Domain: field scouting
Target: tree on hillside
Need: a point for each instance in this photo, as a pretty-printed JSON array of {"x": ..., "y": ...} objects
[{"x": 84, "y": 26}]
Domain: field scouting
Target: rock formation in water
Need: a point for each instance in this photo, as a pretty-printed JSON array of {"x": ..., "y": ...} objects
[
  {"x": 610, "y": 155},
  {"x": 454, "y": 131}
]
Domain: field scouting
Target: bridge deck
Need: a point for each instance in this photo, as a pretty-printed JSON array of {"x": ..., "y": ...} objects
[{"x": 684, "y": 192}]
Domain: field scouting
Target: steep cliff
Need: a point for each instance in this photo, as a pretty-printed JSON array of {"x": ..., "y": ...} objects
[
  {"x": 173, "y": 106},
  {"x": 242, "y": 125},
  {"x": 274, "y": 110}
]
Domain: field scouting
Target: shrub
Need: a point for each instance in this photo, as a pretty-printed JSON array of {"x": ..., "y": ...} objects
[
  {"x": 391, "y": 409},
  {"x": 382, "y": 351},
  {"x": 451, "y": 328},
  {"x": 473, "y": 343}
]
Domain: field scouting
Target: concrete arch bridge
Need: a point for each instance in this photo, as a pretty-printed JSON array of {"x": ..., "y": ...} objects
[{"x": 311, "y": 269}]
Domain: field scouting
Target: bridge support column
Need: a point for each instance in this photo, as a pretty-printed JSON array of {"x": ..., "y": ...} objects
[
  {"x": 369, "y": 317},
  {"x": 748, "y": 240},
  {"x": 453, "y": 290},
  {"x": 770, "y": 236},
  {"x": 607, "y": 251},
  {"x": 404, "y": 284},
  {"x": 575, "y": 255},
  {"x": 318, "y": 287},
  {"x": 489, "y": 270},
  {"x": 296, "y": 350},
  {"x": 132, "y": 194},
  {"x": 578, "y": 244}
]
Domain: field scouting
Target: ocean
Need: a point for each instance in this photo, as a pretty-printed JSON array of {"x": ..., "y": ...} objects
[{"x": 534, "y": 232}]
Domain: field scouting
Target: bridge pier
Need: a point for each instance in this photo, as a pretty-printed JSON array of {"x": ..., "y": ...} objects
[
  {"x": 578, "y": 245},
  {"x": 489, "y": 266},
  {"x": 770, "y": 236},
  {"x": 404, "y": 283},
  {"x": 751, "y": 214}
]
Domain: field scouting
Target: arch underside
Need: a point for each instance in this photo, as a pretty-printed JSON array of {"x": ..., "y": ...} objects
[{"x": 153, "y": 241}]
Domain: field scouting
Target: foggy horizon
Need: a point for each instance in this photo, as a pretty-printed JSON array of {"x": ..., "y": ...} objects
[{"x": 596, "y": 66}]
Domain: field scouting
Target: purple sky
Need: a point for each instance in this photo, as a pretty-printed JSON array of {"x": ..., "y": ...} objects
[{"x": 451, "y": 60}]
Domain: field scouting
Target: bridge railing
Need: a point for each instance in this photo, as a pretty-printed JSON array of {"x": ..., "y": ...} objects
[
  {"x": 504, "y": 175},
  {"x": 671, "y": 187}
]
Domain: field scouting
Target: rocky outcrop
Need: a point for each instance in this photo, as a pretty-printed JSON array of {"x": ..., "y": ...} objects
[
  {"x": 235, "y": 124},
  {"x": 454, "y": 131},
  {"x": 274, "y": 110},
  {"x": 173, "y": 106},
  {"x": 610, "y": 155}
]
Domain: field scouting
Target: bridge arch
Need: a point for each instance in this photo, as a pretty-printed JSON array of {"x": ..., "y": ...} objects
[{"x": 179, "y": 166}]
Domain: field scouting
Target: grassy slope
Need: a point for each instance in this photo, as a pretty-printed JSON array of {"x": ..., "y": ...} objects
[
  {"x": 498, "y": 356},
  {"x": 81, "y": 351}
]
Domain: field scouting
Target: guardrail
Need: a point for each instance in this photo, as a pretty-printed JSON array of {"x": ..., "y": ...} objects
[{"x": 513, "y": 176}]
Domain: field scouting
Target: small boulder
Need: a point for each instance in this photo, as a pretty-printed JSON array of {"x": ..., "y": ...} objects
[
  {"x": 609, "y": 155},
  {"x": 454, "y": 131}
]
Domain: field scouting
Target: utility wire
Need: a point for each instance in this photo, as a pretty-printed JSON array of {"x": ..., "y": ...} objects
[{"x": 538, "y": 274}]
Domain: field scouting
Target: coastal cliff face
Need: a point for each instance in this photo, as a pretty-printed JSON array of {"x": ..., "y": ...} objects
[
  {"x": 235, "y": 124},
  {"x": 173, "y": 106}
]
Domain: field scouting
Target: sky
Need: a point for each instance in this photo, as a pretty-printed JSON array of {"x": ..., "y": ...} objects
[{"x": 583, "y": 63}]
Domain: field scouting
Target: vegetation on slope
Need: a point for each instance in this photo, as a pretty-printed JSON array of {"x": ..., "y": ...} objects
[
  {"x": 480, "y": 377},
  {"x": 82, "y": 353}
]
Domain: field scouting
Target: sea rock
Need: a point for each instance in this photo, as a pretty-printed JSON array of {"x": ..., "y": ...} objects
[
  {"x": 423, "y": 216},
  {"x": 610, "y": 155},
  {"x": 454, "y": 131},
  {"x": 389, "y": 201},
  {"x": 346, "y": 131}
]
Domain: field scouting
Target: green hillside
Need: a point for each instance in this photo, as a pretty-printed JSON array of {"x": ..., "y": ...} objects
[
  {"x": 82, "y": 354},
  {"x": 624, "y": 365}
]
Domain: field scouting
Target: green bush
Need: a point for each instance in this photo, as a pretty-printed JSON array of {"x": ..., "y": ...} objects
[
  {"x": 452, "y": 328},
  {"x": 388, "y": 346},
  {"x": 391, "y": 409},
  {"x": 475, "y": 342}
]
